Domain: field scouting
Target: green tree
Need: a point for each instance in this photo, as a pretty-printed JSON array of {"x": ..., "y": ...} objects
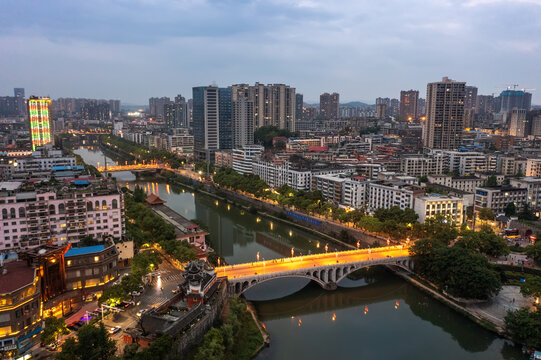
[
  {"x": 526, "y": 213},
  {"x": 486, "y": 214},
  {"x": 510, "y": 209},
  {"x": 532, "y": 287},
  {"x": 524, "y": 326},
  {"x": 93, "y": 343},
  {"x": 492, "y": 180},
  {"x": 213, "y": 346},
  {"x": 54, "y": 327},
  {"x": 370, "y": 224},
  {"x": 423, "y": 179},
  {"x": 440, "y": 227},
  {"x": 534, "y": 252},
  {"x": 145, "y": 262}
]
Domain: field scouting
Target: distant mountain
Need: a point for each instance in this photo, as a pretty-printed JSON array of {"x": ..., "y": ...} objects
[
  {"x": 355, "y": 104},
  {"x": 348, "y": 104}
]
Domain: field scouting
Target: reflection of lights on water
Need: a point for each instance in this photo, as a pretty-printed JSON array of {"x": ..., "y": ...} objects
[
  {"x": 300, "y": 321},
  {"x": 333, "y": 317},
  {"x": 396, "y": 305},
  {"x": 365, "y": 310}
]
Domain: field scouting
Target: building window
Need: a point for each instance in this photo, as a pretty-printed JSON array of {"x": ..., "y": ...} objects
[{"x": 96, "y": 258}]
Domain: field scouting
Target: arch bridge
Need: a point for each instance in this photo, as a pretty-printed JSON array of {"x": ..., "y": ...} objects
[{"x": 325, "y": 269}]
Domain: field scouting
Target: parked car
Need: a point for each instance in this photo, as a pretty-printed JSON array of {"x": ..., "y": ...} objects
[{"x": 114, "y": 330}]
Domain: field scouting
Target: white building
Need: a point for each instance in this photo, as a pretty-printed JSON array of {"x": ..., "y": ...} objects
[
  {"x": 429, "y": 206},
  {"x": 422, "y": 165},
  {"x": 533, "y": 167},
  {"x": 467, "y": 183},
  {"x": 498, "y": 197},
  {"x": 386, "y": 194},
  {"x": 466, "y": 163},
  {"x": 244, "y": 158},
  {"x": 533, "y": 188}
]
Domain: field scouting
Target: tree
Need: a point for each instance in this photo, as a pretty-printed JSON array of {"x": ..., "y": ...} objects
[
  {"x": 534, "y": 252},
  {"x": 524, "y": 326},
  {"x": 370, "y": 224},
  {"x": 93, "y": 343},
  {"x": 440, "y": 227},
  {"x": 213, "y": 346},
  {"x": 423, "y": 179},
  {"x": 139, "y": 194},
  {"x": 526, "y": 213},
  {"x": 492, "y": 180},
  {"x": 145, "y": 262},
  {"x": 532, "y": 287},
  {"x": 510, "y": 209},
  {"x": 53, "y": 328},
  {"x": 486, "y": 214}
]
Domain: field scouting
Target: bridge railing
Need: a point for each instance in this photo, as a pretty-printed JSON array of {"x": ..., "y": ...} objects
[{"x": 305, "y": 258}]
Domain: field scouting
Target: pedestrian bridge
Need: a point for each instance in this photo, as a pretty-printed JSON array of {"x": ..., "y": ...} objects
[{"x": 326, "y": 269}]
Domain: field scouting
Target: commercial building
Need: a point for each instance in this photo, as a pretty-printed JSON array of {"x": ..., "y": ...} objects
[
  {"x": 39, "y": 114},
  {"x": 34, "y": 214},
  {"x": 329, "y": 105},
  {"x": 244, "y": 157},
  {"x": 429, "y": 206},
  {"x": 157, "y": 106},
  {"x": 20, "y": 307},
  {"x": 444, "y": 114},
  {"x": 408, "y": 105},
  {"x": 211, "y": 121}
]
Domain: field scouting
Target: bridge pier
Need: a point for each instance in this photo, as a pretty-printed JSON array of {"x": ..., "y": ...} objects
[{"x": 330, "y": 286}]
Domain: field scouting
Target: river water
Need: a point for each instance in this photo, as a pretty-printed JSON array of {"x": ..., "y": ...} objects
[{"x": 378, "y": 316}]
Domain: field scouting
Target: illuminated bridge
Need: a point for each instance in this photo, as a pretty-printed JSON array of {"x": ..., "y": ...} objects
[
  {"x": 137, "y": 167},
  {"x": 325, "y": 269}
]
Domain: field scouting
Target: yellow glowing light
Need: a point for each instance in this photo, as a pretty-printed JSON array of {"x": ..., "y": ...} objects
[{"x": 96, "y": 258}]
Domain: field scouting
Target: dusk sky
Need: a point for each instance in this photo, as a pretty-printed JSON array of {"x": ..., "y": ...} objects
[{"x": 135, "y": 49}]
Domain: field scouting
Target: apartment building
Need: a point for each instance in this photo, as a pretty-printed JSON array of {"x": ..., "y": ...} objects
[
  {"x": 429, "y": 206},
  {"x": 34, "y": 214},
  {"x": 533, "y": 189},
  {"x": 386, "y": 194},
  {"x": 497, "y": 197},
  {"x": 418, "y": 165},
  {"x": 467, "y": 163},
  {"x": 465, "y": 183},
  {"x": 244, "y": 157},
  {"x": 533, "y": 167}
]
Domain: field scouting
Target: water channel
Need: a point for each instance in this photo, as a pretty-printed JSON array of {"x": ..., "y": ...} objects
[{"x": 379, "y": 316}]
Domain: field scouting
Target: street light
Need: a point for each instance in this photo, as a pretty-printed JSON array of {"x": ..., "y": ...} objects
[
  {"x": 326, "y": 247},
  {"x": 358, "y": 244},
  {"x": 292, "y": 252},
  {"x": 257, "y": 256}
]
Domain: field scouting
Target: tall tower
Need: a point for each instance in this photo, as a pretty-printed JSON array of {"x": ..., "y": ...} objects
[
  {"x": 444, "y": 114},
  {"x": 40, "y": 122},
  {"x": 243, "y": 116},
  {"x": 408, "y": 105},
  {"x": 329, "y": 106},
  {"x": 299, "y": 104}
]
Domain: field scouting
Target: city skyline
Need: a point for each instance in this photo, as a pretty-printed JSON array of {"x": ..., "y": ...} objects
[{"x": 159, "y": 48}]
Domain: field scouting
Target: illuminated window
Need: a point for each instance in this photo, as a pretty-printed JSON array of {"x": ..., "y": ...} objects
[
  {"x": 69, "y": 262},
  {"x": 96, "y": 258}
]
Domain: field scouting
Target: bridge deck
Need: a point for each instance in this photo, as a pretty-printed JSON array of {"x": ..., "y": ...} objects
[{"x": 306, "y": 262}]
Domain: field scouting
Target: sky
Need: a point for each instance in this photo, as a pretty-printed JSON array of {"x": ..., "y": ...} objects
[{"x": 136, "y": 49}]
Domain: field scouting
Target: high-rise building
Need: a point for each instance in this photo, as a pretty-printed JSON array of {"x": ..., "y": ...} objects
[
  {"x": 484, "y": 104},
  {"x": 40, "y": 121},
  {"x": 176, "y": 114},
  {"x": 212, "y": 121},
  {"x": 243, "y": 116},
  {"x": 394, "y": 110},
  {"x": 470, "y": 98},
  {"x": 20, "y": 100},
  {"x": 408, "y": 105},
  {"x": 96, "y": 110},
  {"x": 299, "y": 105},
  {"x": 381, "y": 110},
  {"x": 114, "y": 107},
  {"x": 518, "y": 124},
  {"x": 329, "y": 106},
  {"x": 157, "y": 106},
  {"x": 534, "y": 118},
  {"x": 510, "y": 99},
  {"x": 444, "y": 114},
  {"x": 18, "y": 92}
]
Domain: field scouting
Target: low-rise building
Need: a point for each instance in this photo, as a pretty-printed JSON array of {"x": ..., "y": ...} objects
[
  {"x": 498, "y": 197},
  {"x": 386, "y": 194},
  {"x": 464, "y": 183},
  {"x": 430, "y": 205},
  {"x": 223, "y": 158},
  {"x": 418, "y": 165},
  {"x": 20, "y": 307}
]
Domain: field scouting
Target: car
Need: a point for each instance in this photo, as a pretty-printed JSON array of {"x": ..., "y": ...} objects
[
  {"x": 114, "y": 330},
  {"x": 141, "y": 312}
]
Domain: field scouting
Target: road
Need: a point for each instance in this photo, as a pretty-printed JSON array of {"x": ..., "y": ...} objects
[{"x": 309, "y": 261}]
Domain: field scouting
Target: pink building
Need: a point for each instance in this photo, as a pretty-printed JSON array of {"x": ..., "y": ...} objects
[{"x": 34, "y": 214}]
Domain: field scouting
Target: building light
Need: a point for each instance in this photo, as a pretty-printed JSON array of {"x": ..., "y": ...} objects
[
  {"x": 68, "y": 262},
  {"x": 96, "y": 258}
]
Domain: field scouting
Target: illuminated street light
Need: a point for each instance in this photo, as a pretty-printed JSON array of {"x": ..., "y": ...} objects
[
  {"x": 326, "y": 247},
  {"x": 257, "y": 256},
  {"x": 358, "y": 244},
  {"x": 292, "y": 252}
]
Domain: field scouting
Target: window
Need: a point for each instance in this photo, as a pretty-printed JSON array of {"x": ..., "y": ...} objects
[
  {"x": 115, "y": 203},
  {"x": 12, "y": 213},
  {"x": 88, "y": 272},
  {"x": 61, "y": 209},
  {"x": 89, "y": 206},
  {"x": 52, "y": 209}
]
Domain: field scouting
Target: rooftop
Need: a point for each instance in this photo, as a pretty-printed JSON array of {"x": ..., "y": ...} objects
[
  {"x": 19, "y": 274},
  {"x": 84, "y": 250}
]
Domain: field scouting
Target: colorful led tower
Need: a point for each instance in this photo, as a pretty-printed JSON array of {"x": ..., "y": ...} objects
[{"x": 39, "y": 115}]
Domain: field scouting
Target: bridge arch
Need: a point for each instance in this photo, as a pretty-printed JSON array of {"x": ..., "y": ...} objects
[{"x": 241, "y": 287}]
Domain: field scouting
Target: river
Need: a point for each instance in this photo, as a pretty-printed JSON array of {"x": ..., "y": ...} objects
[{"x": 378, "y": 316}]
